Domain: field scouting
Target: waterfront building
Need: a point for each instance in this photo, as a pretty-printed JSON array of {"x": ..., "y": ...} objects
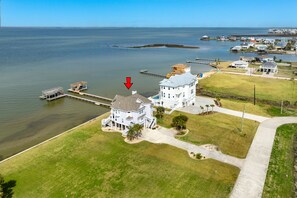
[
  {"x": 129, "y": 110},
  {"x": 178, "y": 69},
  {"x": 269, "y": 66},
  {"x": 52, "y": 94},
  {"x": 177, "y": 91},
  {"x": 236, "y": 48},
  {"x": 240, "y": 64},
  {"x": 79, "y": 86}
]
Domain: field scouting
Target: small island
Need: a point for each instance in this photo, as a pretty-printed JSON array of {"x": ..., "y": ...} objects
[{"x": 165, "y": 45}]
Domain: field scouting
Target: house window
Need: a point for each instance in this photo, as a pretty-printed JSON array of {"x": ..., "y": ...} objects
[
  {"x": 168, "y": 88},
  {"x": 168, "y": 95},
  {"x": 192, "y": 91},
  {"x": 184, "y": 94},
  {"x": 164, "y": 95}
]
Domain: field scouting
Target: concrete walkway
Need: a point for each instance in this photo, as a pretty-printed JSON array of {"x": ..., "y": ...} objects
[
  {"x": 251, "y": 180},
  {"x": 261, "y": 76},
  {"x": 239, "y": 114},
  {"x": 165, "y": 136},
  {"x": 202, "y": 101}
]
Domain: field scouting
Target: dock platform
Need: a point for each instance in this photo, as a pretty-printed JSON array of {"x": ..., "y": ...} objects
[{"x": 146, "y": 72}]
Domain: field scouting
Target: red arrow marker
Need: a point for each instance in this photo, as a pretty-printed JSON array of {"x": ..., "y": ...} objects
[{"x": 128, "y": 83}]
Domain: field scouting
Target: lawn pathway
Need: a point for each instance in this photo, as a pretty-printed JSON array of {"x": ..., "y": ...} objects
[{"x": 162, "y": 136}]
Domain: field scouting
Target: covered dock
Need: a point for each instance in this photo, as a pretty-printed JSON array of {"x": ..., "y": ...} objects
[
  {"x": 79, "y": 86},
  {"x": 52, "y": 94}
]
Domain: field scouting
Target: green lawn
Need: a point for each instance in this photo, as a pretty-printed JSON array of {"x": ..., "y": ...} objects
[
  {"x": 218, "y": 129},
  {"x": 258, "y": 109},
  {"x": 280, "y": 175},
  {"x": 243, "y": 86},
  {"x": 87, "y": 162}
]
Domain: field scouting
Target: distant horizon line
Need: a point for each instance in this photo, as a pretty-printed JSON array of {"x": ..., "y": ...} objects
[{"x": 89, "y": 27}]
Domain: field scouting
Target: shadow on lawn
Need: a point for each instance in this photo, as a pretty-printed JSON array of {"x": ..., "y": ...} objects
[{"x": 6, "y": 188}]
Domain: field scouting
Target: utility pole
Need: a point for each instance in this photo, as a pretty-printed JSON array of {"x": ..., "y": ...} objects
[
  {"x": 242, "y": 119},
  {"x": 254, "y": 94}
]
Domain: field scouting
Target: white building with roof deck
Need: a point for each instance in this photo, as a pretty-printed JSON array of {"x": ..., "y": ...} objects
[
  {"x": 240, "y": 64},
  {"x": 177, "y": 91},
  {"x": 129, "y": 110}
]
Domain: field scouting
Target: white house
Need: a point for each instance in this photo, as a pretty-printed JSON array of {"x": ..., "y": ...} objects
[
  {"x": 129, "y": 110},
  {"x": 269, "y": 67},
  {"x": 177, "y": 91},
  {"x": 236, "y": 48},
  {"x": 240, "y": 64}
]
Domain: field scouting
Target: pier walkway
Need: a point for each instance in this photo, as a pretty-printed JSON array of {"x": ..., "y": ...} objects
[
  {"x": 88, "y": 100},
  {"x": 90, "y": 95},
  {"x": 146, "y": 72}
]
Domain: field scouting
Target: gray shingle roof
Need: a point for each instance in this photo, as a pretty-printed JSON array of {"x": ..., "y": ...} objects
[
  {"x": 129, "y": 103},
  {"x": 269, "y": 65},
  {"x": 179, "y": 80}
]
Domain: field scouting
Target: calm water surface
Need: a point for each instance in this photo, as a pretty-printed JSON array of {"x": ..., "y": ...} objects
[{"x": 32, "y": 60}]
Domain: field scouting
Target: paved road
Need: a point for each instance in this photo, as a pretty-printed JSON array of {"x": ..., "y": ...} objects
[
  {"x": 251, "y": 180},
  {"x": 165, "y": 136}
]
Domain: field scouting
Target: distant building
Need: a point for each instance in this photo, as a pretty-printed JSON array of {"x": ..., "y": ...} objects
[
  {"x": 129, "y": 110},
  {"x": 178, "y": 69},
  {"x": 177, "y": 91},
  {"x": 269, "y": 67},
  {"x": 261, "y": 48},
  {"x": 240, "y": 64},
  {"x": 205, "y": 38},
  {"x": 236, "y": 48}
]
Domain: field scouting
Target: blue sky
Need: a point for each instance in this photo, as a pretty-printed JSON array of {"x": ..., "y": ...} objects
[{"x": 150, "y": 13}]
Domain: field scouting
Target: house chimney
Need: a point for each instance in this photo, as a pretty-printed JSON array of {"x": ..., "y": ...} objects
[{"x": 134, "y": 92}]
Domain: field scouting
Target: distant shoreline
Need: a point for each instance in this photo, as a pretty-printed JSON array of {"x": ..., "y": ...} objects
[
  {"x": 264, "y": 35},
  {"x": 165, "y": 45}
]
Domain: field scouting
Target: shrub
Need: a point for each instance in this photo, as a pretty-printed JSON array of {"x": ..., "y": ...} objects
[
  {"x": 198, "y": 156},
  {"x": 179, "y": 122}
]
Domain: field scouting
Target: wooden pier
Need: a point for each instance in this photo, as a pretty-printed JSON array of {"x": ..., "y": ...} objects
[
  {"x": 200, "y": 62},
  {"x": 205, "y": 59},
  {"x": 88, "y": 100},
  {"x": 90, "y": 95},
  {"x": 146, "y": 72}
]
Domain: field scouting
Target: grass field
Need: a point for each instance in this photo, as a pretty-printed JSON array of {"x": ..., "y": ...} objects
[
  {"x": 258, "y": 109},
  {"x": 218, "y": 129},
  {"x": 280, "y": 175},
  {"x": 90, "y": 163},
  {"x": 238, "y": 85}
]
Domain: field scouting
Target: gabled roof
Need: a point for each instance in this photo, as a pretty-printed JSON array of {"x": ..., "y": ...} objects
[
  {"x": 129, "y": 103},
  {"x": 269, "y": 65},
  {"x": 179, "y": 80}
]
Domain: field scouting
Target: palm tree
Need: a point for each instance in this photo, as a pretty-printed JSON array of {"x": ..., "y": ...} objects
[
  {"x": 138, "y": 128},
  {"x": 202, "y": 109},
  {"x": 134, "y": 132},
  {"x": 160, "y": 112},
  {"x": 207, "y": 106},
  {"x": 131, "y": 134},
  {"x": 212, "y": 106}
]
